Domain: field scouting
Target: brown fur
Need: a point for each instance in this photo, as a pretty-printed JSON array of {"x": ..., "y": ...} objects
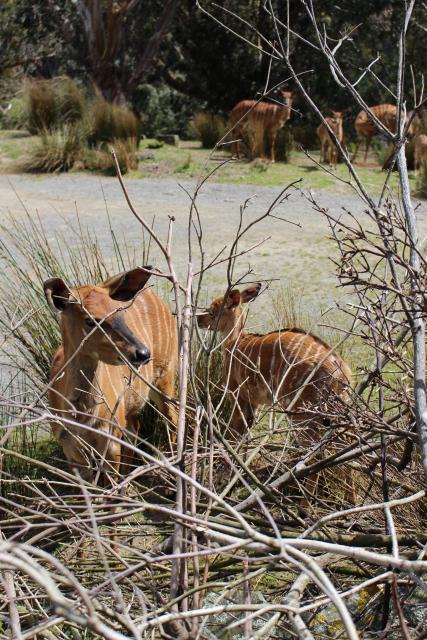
[
  {"x": 94, "y": 386},
  {"x": 326, "y": 142},
  {"x": 365, "y": 128},
  {"x": 420, "y": 151},
  {"x": 275, "y": 367},
  {"x": 250, "y": 114}
]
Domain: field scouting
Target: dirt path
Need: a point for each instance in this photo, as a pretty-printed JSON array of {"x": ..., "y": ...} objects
[{"x": 298, "y": 256}]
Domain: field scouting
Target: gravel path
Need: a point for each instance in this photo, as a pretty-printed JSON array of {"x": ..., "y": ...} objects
[{"x": 298, "y": 256}]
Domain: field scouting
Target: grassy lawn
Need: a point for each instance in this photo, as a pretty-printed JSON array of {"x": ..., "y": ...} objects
[
  {"x": 190, "y": 161},
  {"x": 13, "y": 146}
]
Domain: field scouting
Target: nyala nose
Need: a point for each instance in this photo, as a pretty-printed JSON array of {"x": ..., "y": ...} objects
[{"x": 142, "y": 355}]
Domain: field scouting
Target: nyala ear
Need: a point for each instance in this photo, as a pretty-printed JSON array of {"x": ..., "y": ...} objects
[
  {"x": 57, "y": 294},
  {"x": 251, "y": 292},
  {"x": 126, "y": 285},
  {"x": 233, "y": 299}
]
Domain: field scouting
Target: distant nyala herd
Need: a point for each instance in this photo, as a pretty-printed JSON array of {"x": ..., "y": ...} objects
[{"x": 271, "y": 116}]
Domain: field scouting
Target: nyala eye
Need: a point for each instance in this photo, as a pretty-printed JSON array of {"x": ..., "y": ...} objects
[{"x": 89, "y": 322}]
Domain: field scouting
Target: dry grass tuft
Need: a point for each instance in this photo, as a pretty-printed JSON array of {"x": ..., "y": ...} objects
[
  {"x": 208, "y": 128},
  {"x": 53, "y": 103},
  {"x": 108, "y": 122},
  {"x": 56, "y": 151}
]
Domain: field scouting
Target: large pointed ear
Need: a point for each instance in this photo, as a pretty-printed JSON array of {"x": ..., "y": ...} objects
[
  {"x": 251, "y": 292},
  {"x": 233, "y": 299},
  {"x": 126, "y": 285},
  {"x": 57, "y": 294}
]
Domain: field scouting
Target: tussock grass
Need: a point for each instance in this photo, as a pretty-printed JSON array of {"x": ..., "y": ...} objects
[
  {"x": 76, "y": 132},
  {"x": 252, "y": 141},
  {"x": 108, "y": 122},
  {"x": 57, "y": 150},
  {"x": 101, "y": 159},
  {"x": 208, "y": 128},
  {"x": 15, "y": 114},
  {"x": 53, "y": 103},
  {"x": 255, "y": 143}
]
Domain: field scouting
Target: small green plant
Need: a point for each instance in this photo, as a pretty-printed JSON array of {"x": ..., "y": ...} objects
[
  {"x": 187, "y": 166},
  {"x": 208, "y": 128},
  {"x": 153, "y": 143},
  {"x": 260, "y": 165}
]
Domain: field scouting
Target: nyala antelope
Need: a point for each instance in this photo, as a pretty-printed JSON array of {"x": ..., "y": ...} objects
[
  {"x": 420, "y": 151},
  {"x": 365, "y": 128},
  {"x": 269, "y": 117},
  {"x": 291, "y": 367},
  {"x": 105, "y": 329},
  {"x": 328, "y": 150}
]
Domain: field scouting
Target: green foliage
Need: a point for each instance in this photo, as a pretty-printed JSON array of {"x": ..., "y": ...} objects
[
  {"x": 164, "y": 110},
  {"x": 381, "y": 149},
  {"x": 15, "y": 114},
  {"x": 53, "y": 103},
  {"x": 208, "y": 128},
  {"x": 154, "y": 144}
]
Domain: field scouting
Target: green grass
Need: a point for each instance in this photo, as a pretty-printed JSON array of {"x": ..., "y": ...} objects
[
  {"x": 191, "y": 160},
  {"x": 13, "y": 146}
]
